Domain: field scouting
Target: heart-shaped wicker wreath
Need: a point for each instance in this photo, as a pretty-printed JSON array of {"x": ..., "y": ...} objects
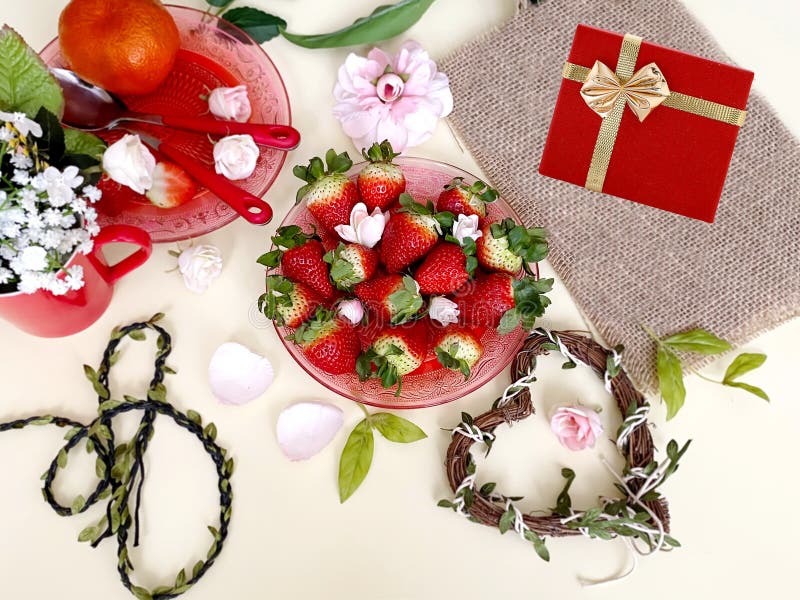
[{"x": 640, "y": 514}]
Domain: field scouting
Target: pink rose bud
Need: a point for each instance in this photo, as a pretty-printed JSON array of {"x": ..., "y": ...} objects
[
  {"x": 230, "y": 103},
  {"x": 577, "y": 428}
]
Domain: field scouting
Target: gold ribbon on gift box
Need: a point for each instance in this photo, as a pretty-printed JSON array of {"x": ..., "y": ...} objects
[{"x": 607, "y": 92}]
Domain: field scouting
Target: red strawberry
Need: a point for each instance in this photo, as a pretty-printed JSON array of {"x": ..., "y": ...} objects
[
  {"x": 457, "y": 348},
  {"x": 329, "y": 342},
  {"x": 300, "y": 256},
  {"x": 498, "y": 300},
  {"x": 351, "y": 264},
  {"x": 444, "y": 270},
  {"x": 330, "y": 196},
  {"x": 286, "y": 302},
  {"x": 409, "y": 234},
  {"x": 507, "y": 246},
  {"x": 395, "y": 351},
  {"x": 392, "y": 298},
  {"x": 461, "y": 199},
  {"x": 171, "y": 187},
  {"x": 381, "y": 182}
]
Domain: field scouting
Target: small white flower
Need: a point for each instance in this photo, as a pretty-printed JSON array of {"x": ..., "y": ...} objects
[
  {"x": 71, "y": 177},
  {"x": 23, "y": 124},
  {"x": 54, "y": 285},
  {"x": 10, "y": 230},
  {"x": 364, "y": 229},
  {"x": 5, "y": 134},
  {"x": 235, "y": 156},
  {"x": 59, "y": 194},
  {"x": 92, "y": 194},
  {"x": 78, "y": 205},
  {"x": 74, "y": 278},
  {"x": 443, "y": 310},
  {"x": 20, "y": 177},
  {"x": 352, "y": 310},
  {"x": 230, "y": 103},
  {"x": 21, "y": 161},
  {"x": 52, "y": 217},
  {"x": 33, "y": 258},
  {"x": 29, "y": 282},
  {"x": 5, "y": 275},
  {"x": 200, "y": 266},
  {"x": 52, "y": 238},
  {"x": 466, "y": 227},
  {"x": 129, "y": 162}
]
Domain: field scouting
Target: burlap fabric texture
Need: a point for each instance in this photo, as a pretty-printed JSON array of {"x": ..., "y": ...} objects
[{"x": 626, "y": 264}]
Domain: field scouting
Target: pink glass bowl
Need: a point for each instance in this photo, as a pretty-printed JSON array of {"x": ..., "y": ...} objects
[
  {"x": 209, "y": 57},
  {"x": 424, "y": 180}
]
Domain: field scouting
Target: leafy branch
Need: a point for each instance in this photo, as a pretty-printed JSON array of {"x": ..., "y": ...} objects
[{"x": 698, "y": 341}]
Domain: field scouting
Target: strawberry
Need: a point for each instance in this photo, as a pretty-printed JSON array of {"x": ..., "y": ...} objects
[
  {"x": 300, "y": 256},
  {"x": 171, "y": 187},
  {"x": 381, "y": 182},
  {"x": 457, "y": 348},
  {"x": 507, "y": 246},
  {"x": 286, "y": 302},
  {"x": 461, "y": 199},
  {"x": 395, "y": 351},
  {"x": 351, "y": 264},
  {"x": 330, "y": 196},
  {"x": 498, "y": 300},
  {"x": 409, "y": 234},
  {"x": 392, "y": 298},
  {"x": 328, "y": 342},
  {"x": 444, "y": 270}
]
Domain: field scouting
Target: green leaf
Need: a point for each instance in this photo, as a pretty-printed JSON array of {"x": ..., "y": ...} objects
[
  {"x": 219, "y": 3},
  {"x": 194, "y": 417},
  {"x": 756, "y": 391},
  {"x": 259, "y": 25},
  {"x": 670, "y": 381},
  {"x": 506, "y": 520},
  {"x": 81, "y": 142},
  {"x": 385, "y": 22},
  {"x": 356, "y": 459},
  {"x": 744, "y": 363},
  {"x": 137, "y": 335},
  {"x": 61, "y": 459},
  {"x": 26, "y": 84},
  {"x": 697, "y": 340},
  {"x": 397, "y": 429},
  {"x": 77, "y": 504},
  {"x": 141, "y": 593}
]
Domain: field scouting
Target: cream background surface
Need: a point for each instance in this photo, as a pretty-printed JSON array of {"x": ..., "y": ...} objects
[{"x": 732, "y": 501}]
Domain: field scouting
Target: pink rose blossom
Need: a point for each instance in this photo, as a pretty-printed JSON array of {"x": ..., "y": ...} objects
[
  {"x": 230, "y": 103},
  {"x": 577, "y": 428},
  {"x": 399, "y": 98}
]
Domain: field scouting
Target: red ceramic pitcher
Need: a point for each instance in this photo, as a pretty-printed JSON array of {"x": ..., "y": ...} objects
[{"x": 46, "y": 315}]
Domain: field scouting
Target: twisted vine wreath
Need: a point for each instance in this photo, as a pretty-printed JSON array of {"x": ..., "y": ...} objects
[
  {"x": 639, "y": 516},
  {"x": 120, "y": 467}
]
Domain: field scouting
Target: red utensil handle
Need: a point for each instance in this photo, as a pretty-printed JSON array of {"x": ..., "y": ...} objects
[
  {"x": 127, "y": 234},
  {"x": 251, "y": 207},
  {"x": 282, "y": 137}
]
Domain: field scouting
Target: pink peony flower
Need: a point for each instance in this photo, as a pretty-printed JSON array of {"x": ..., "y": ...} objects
[
  {"x": 577, "y": 428},
  {"x": 399, "y": 98}
]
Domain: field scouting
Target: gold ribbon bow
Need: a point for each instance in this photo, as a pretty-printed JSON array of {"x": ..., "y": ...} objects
[
  {"x": 607, "y": 92},
  {"x": 644, "y": 91}
]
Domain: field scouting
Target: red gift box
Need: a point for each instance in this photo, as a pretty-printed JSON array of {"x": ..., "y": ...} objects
[{"x": 673, "y": 160}]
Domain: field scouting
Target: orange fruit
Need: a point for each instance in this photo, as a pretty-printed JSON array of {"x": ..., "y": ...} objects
[{"x": 124, "y": 46}]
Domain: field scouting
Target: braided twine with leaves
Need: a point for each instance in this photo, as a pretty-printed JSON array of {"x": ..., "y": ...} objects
[
  {"x": 120, "y": 467},
  {"x": 640, "y": 515}
]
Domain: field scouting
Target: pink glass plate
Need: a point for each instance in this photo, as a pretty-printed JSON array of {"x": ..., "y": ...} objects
[
  {"x": 425, "y": 180},
  {"x": 210, "y": 57}
]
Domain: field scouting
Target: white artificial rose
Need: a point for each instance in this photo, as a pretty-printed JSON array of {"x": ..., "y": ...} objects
[
  {"x": 235, "y": 156},
  {"x": 364, "y": 228},
  {"x": 466, "y": 227},
  {"x": 443, "y": 310},
  {"x": 230, "y": 103},
  {"x": 129, "y": 162},
  {"x": 200, "y": 265},
  {"x": 352, "y": 310}
]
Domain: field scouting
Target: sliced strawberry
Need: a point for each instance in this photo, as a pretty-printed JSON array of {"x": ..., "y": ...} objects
[
  {"x": 171, "y": 187},
  {"x": 410, "y": 233},
  {"x": 391, "y": 298},
  {"x": 286, "y": 302},
  {"x": 507, "y": 246},
  {"x": 395, "y": 351},
  {"x": 457, "y": 348},
  {"x": 444, "y": 270},
  {"x": 381, "y": 182},
  {"x": 329, "y": 195},
  {"x": 300, "y": 256},
  {"x": 351, "y": 264},
  {"x": 461, "y": 199},
  {"x": 498, "y": 300},
  {"x": 328, "y": 342}
]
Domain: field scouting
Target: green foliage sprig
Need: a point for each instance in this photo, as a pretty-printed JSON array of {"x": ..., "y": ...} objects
[
  {"x": 120, "y": 466},
  {"x": 698, "y": 341},
  {"x": 385, "y": 22},
  {"x": 356, "y": 458}
]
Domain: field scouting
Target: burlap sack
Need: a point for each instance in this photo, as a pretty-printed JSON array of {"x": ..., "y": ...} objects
[{"x": 626, "y": 264}]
